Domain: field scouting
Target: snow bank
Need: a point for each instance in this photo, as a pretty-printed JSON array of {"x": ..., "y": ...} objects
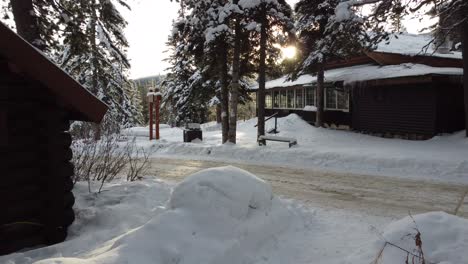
[
  {"x": 222, "y": 215},
  {"x": 443, "y": 158},
  {"x": 141, "y": 131},
  {"x": 444, "y": 240},
  {"x": 228, "y": 190}
]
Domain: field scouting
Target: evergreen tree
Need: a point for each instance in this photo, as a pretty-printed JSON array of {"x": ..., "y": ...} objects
[
  {"x": 94, "y": 53},
  {"x": 189, "y": 85},
  {"x": 37, "y": 21},
  {"x": 326, "y": 35},
  {"x": 86, "y": 39},
  {"x": 270, "y": 22}
]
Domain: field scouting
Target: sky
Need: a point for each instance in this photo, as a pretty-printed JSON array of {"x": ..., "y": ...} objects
[{"x": 149, "y": 24}]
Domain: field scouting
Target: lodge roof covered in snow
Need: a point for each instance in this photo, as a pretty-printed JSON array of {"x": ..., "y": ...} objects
[
  {"x": 367, "y": 72},
  {"x": 414, "y": 45},
  {"x": 404, "y": 55},
  {"x": 30, "y": 62}
]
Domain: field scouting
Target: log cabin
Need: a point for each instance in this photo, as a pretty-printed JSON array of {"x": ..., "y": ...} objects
[
  {"x": 397, "y": 90},
  {"x": 37, "y": 102}
]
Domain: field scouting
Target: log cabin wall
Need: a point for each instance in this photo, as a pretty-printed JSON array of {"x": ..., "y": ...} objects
[
  {"x": 35, "y": 159},
  {"x": 450, "y": 104},
  {"x": 403, "y": 109}
]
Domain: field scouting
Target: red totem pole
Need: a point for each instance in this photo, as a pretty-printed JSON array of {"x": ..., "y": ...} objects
[{"x": 154, "y": 100}]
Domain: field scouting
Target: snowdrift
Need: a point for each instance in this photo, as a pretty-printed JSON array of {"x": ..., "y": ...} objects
[
  {"x": 141, "y": 131},
  {"x": 442, "y": 158},
  {"x": 444, "y": 240},
  {"x": 222, "y": 215}
]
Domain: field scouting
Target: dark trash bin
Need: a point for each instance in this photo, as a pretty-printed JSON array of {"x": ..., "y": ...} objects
[{"x": 192, "y": 131}]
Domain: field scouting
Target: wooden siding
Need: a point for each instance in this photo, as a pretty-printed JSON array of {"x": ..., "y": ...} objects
[
  {"x": 35, "y": 189},
  {"x": 450, "y": 107},
  {"x": 403, "y": 109},
  {"x": 416, "y": 107}
]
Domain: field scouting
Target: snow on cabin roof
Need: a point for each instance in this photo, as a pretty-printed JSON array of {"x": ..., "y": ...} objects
[
  {"x": 34, "y": 65},
  {"x": 365, "y": 73},
  {"x": 412, "y": 44}
]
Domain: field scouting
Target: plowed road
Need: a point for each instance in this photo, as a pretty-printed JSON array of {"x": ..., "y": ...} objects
[{"x": 375, "y": 195}]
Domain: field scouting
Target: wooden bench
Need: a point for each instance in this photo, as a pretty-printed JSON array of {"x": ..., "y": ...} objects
[{"x": 291, "y": 141}]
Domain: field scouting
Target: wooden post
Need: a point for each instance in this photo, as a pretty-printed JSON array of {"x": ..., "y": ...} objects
[
  {"x": 151, "y": 120},
  {"x": 158, "y": 100}
]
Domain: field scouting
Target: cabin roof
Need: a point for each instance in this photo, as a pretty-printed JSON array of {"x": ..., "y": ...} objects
[
  {"x": 32, "y": 63},
  {"x": 414, "y": 45},
  {"x": 366, "y": 72}
]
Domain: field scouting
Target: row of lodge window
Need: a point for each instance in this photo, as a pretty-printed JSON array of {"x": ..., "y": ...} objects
[{"x": 335, "y": 98}]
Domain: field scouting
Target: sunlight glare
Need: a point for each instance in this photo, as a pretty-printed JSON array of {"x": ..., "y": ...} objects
[{"x": 289, "y": 52}]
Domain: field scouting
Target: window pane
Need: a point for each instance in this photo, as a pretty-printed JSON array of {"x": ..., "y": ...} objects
[
  {"x": 343, "y": 100},
  {"x": 268, "y": 102},
  {"x": 291, "y": 99},
  {"x": 276, "y": 99},
  {"x": 330, "y": 98},
  {"x": 283, "y": 101},
  {"x": 310, "y": 96},
  {"x": 299, "y": 99}
]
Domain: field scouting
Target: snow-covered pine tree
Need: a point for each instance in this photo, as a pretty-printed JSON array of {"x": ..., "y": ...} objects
[
  {"x": 94, "y": 53},
  {"x": 218, "y": 36},
  {"x": 270, "y": 22},
  {"x": 326, "y": 35},
  {"x": 136, "y": 100},
  {"x": 189, "y": 86},
  {"x": 37, "y": 21},
  {"x": 229, "y": 42}
]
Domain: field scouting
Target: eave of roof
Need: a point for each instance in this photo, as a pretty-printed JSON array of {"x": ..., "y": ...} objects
[
  {"x": 386, "y": 58},
  {"x": 31, "y": 62},
  {"x": 368, "y": 72}
]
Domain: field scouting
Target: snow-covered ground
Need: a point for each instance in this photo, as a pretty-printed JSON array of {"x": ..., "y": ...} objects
[
  {"x": 443, "y": 158},
  {"x": 226, "y": 215}
]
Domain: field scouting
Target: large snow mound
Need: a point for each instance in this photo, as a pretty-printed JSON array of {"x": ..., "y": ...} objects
[
  {"x": 228, "y": 190},
  {"x": 221, "y": 215},
  {"x": 444, "y": 240}
]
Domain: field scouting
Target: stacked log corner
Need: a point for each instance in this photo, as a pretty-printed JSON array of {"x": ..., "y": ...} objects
[{"x": 36, "y": 180}]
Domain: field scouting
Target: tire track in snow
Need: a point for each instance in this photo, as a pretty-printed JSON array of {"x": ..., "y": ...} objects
[{"x": 376, "y": 195}]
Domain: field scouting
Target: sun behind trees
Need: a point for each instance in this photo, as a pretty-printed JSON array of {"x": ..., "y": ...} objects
[{"x": 218, "y": 48}]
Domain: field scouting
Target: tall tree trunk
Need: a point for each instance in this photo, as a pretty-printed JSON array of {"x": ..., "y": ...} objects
[
  {"x": 262, "y": 76},
  {"x": 94, "y": 61},
  {"x": 464, "y": 34},
  {"x": 224, "y": 90},
  {"x": 218, "y": 113},
  {"x": 235, "y": 86},
  {"x": 26, "y": 23},
  {"x": 320, "y": 96}
]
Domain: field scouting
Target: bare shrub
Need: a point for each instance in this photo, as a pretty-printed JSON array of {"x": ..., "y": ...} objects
[
  {"x": 84, "y": 160},
  {"x": 416, "y": 257},
  {"x": 105, "y": 159},
  {"x": 138, "y": 162},
  {"x": 111, "y": 159}
]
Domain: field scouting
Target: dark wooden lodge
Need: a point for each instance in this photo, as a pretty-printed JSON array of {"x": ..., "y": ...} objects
[
  {"x": 37, "y": 102},
  {"x": 413, "y": 97}
]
